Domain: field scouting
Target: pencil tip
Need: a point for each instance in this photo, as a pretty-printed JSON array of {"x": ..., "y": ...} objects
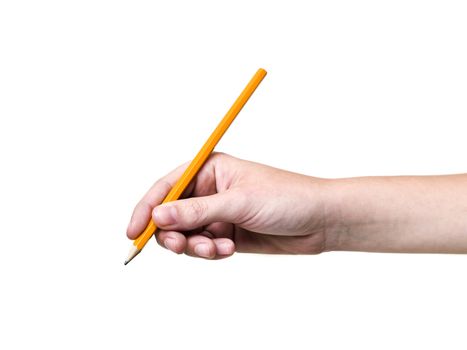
[{"x": 133, "y": 252}]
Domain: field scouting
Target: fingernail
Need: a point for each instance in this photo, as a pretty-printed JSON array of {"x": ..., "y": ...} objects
[
  {"x": 202, "y": 250},
  {"x": 224, "y": 248},
  {"x": 164, "y": 215},
  {"x": 169, "y": 243}
]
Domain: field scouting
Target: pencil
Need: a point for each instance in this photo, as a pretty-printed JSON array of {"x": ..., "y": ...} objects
[{"x": 199, "y": 160}]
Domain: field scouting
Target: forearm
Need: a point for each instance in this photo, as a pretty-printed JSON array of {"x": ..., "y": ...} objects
[{"x": 426, "y": 214}]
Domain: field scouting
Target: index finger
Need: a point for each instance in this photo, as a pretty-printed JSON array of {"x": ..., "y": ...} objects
[{"x": 156, "y": 194}]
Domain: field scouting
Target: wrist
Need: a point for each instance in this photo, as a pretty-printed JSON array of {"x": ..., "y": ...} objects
[
  {"x": 332, "y": 213},
  {"x": 348, "y": 214},
  {"x": 366, "y": 214},
  {"x": 327, "y": 211}
]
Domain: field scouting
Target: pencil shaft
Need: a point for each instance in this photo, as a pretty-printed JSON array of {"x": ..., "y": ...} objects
[{"x": 204, "y": 153}]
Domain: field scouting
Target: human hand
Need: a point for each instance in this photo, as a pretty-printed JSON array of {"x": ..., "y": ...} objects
[{"x": 235, "y": 205}]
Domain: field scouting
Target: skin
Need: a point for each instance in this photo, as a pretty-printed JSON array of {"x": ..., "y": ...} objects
[{"x": 235, "y": 205}]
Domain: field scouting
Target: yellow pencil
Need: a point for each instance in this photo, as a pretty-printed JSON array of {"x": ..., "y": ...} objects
[{"x": 200, "y": 159}]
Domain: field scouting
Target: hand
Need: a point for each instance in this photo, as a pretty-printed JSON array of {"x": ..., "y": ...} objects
[{"x": 236, "y": 205}]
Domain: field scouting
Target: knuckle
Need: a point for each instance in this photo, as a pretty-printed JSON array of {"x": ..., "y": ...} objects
[
  {"x": 163, "y": 185},
  {"x": 196, "y": 211},
  {"x": 244, "y": 206},
  {"x": 219, "y": 156}
]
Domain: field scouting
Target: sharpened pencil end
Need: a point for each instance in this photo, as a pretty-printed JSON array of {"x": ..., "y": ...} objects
[
  {"x": 126, "y": 262},
  {"x": 133, "y": 252}
]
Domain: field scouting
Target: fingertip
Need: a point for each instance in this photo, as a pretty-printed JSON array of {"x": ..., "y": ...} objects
[
  {"x": 139, "y": 220},
  {"x": 205, "y": 250},
  {"x": 175, "y": 245},
  {"x": 136, "y": 226},
  {"x": 131, "y": 235},
  {"x": 171, "y": 244},
  {"x": 173, "y": 241},
  {"x": 164, "y": 215},
  {"x": 224, "y": 246},
  {"x": 200, "y": 246},
  {"x": 131, "y": 232}
]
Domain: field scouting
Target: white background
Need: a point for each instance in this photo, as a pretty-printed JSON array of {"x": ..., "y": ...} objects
[{"x": 98, "y": 99}]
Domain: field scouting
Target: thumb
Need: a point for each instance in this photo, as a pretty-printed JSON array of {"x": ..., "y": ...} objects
[{"x": 191, "y": 213}]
